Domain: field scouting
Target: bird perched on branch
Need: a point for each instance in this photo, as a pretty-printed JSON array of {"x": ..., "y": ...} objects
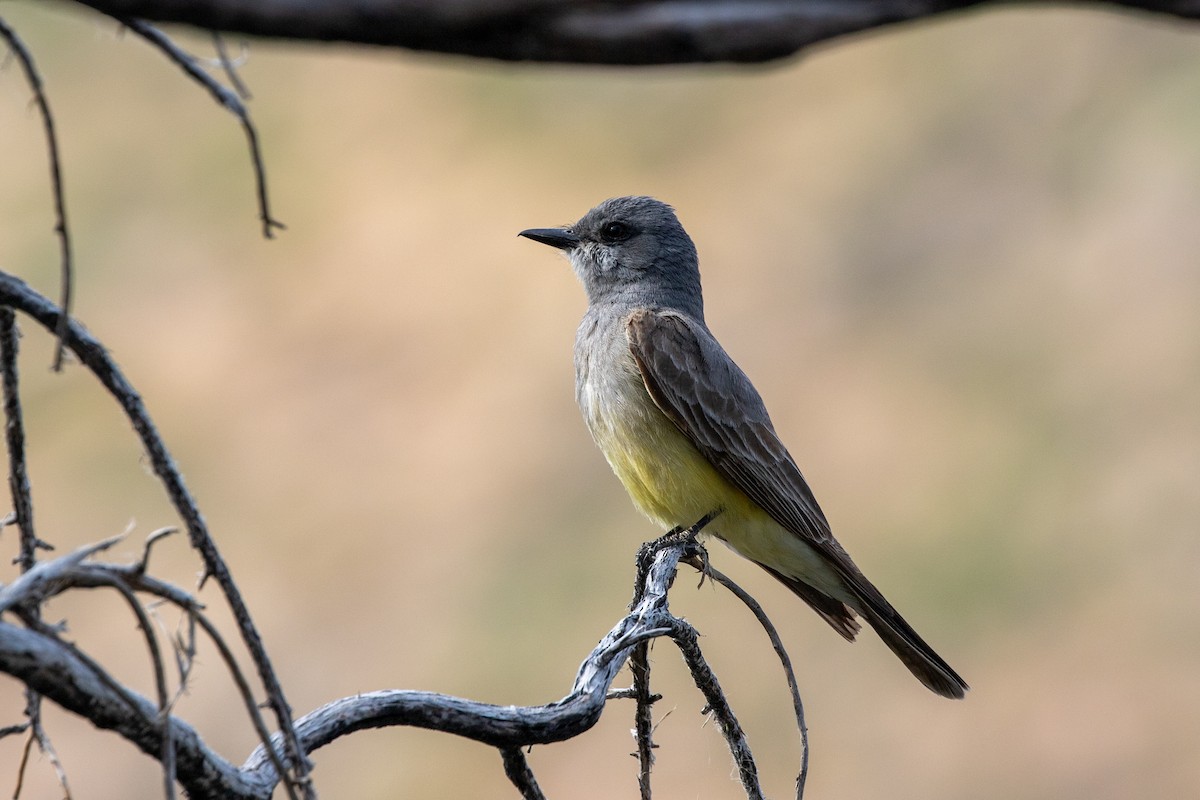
[{"x": 686, "y": 432}]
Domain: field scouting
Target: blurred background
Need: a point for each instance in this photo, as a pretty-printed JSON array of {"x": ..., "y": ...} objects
[{"x": 959, "y": 259}]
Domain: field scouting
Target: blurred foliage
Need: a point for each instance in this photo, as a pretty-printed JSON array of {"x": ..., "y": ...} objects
[{"x": 959, "y": 260}]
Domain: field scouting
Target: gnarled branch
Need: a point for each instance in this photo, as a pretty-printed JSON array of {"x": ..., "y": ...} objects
[{"x": 37, "y": 656}]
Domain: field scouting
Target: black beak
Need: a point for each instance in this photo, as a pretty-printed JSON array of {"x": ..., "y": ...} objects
[{"x": 561, "y": 238}]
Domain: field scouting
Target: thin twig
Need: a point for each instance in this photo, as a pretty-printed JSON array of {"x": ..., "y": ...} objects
[
  {"x": 784, "y": 660},
  {"x": 34, "y": 79},
  {"x": 61, "y": 673},
  {"x": 14, "y": 431},
  {"x": 143, "y": 565},
  {"x": 224, "y": 97},
  {"x": 60, "y": 575},
  {"x": 17, "y": 294},
  {"x": 185, "y": 654},
  {"x": 23, "y": 764},
  {"x": 639, "y": 665},
  {"x": 686, "y": 638},
  {"x": 33, "y": 710},
  {"x": 167, "y": 753},
  {"x": 235, "y": 80},
  {"x": 260, "y": 726},
  {"x": 125, "y": 579},
  {"x": 13, "y": 730},
  {"x": 22, "y": 497},
  {"x": 516, "y": 767}
]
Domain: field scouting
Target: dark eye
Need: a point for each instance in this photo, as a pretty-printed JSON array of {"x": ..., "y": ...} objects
[{"x": 615, "y": 231}]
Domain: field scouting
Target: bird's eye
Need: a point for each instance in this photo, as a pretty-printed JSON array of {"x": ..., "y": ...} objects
[{"x": 615, "y": 231}]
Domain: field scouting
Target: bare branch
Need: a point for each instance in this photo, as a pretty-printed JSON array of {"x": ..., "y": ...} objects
[
  {"x": 38, "y": 736},
  {"x": 235, "y": 80},
  {"x": 70, "y": 678},
  {"x": 17, "y": 294},
  {"x": 516, "y": 767},
  {"x": 224, "y": 97},
  {"x": 797, "y": 703},
  {"x": 58, "y": 672},
  {"x": 639, "y": 665},
  {"x": 508, "y": 726},
  {"x": 167, "y": 752},
  {"x": 576, "y": 31},
  {"x": 14, "y": 431},
  {"x": 687, "y": 639},
  {"x": 48, "y": 577},
  {"x": 34, "y": 79},
  {"x": 47, "y": 664}
]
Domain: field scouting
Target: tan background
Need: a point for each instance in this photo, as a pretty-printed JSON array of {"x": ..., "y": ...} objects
[{"x": 959, "y": 260}]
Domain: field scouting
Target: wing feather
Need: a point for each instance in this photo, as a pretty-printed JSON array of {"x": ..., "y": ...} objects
[{"x": 712, "y": 402}]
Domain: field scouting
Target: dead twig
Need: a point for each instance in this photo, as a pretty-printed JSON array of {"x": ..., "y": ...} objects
[
  {"x": 34, "y": 79},
  {"x": 229, "y": 100},
  {"x": 639, "y": 665},
  {"x": 687, "y": 640},
  {"x": 15, "y": 293},
  {"x": 235, "y": 80},
  {"x": 784, "y": 660},
  {"x": 516, "y": 767}
]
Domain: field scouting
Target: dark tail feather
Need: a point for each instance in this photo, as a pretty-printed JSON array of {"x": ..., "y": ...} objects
[
  {"x": 898, "y": 635},
  {"x": 839, "y": 616},
  {"x": 918, "y": 656}
]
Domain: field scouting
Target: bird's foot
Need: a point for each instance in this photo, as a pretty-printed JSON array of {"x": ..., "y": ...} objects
[{"x": 693, "y": 552}]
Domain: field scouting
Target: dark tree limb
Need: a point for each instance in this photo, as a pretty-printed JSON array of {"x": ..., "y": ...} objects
[
  {"x": 574, "y": 31},
  {"x": 34, "y": 79},
  {"x": 22, "y": 515},
  {"x": 229, "y": 67},
  {"x": 14, "y": 436},
  {"x": 37, "y": 656},
  {"x": 639, "y": 666},
  {"x": 15, "y": 293},
  {"x": 784, "y": 659},
  {"x": 226, "y": 98},
  {"x": 55, "y": 668},
  {"x": 516, "y": 767}
]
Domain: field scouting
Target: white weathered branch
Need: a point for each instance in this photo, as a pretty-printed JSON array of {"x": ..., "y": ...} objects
[{"x": 63, "y": 674}]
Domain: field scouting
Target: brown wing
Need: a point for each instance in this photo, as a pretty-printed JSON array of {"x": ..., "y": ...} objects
[
  {"x": 708, "y": 397},
  {"x": 714, "y": 404}
]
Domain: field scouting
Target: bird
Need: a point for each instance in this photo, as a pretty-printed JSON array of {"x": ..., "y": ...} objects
[{"x": 689, "y": 436}]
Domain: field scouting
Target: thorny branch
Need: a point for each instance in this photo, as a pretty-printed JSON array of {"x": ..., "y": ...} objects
[
  {"x": 777, "y": 644},
  {"x": 16, "y": 294},
  {"x": 34, "y": 79},
  {"x": 639, "y": 666},
  {"x": 56, "y": 668},
  {"x": 229, "y": 99},
  {"x": 37, "y": 655},
  {"x": 224, "y": 97},
  {"x": 516, "y": 767},
  {"x": 22, "y": 515}
]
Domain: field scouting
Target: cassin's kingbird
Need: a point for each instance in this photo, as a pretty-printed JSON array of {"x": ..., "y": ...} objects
[{"x": 687, "y": 433}]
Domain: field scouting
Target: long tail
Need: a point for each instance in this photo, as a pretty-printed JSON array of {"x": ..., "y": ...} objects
[
  {"x": 911, "y": 649},
  {"x": 921, "y": 660}
]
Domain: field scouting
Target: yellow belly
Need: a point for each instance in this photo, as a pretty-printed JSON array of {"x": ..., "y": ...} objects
[
  {"x": 674, "y": 485},
  {"x": 667, "y": 478}
]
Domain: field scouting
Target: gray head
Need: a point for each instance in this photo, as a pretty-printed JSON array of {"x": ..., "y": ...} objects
[{"x": 631, "y": 249}]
